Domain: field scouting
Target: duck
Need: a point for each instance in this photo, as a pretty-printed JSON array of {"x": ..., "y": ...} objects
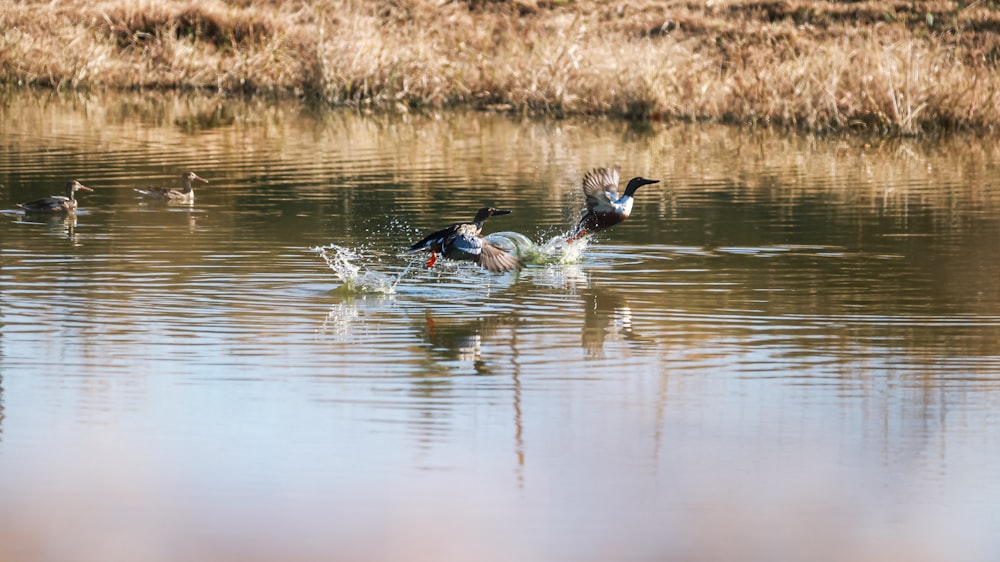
[
  {"x": 57, "y": 203},
  {"x": 184, "y": 195},
  {"x": 461, "y": 241},
  {"x": 604, "y": 208}
]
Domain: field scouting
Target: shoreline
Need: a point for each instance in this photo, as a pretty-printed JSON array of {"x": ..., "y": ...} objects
[{"x": 875, "y": 67}]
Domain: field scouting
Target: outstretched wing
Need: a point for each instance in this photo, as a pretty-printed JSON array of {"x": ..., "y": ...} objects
[
  {"x": 600, "y": 186},
  {"x": 497, "y": 260},
  {"x": 468, "y": 242}
]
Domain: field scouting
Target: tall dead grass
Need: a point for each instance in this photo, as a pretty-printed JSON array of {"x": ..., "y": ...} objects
[{"x": 903, "y": 68}]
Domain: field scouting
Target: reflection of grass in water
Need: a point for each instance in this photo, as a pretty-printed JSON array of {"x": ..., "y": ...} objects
[
  {"x": 356, "y": 279},
  {"x": 555, "y": 250}
]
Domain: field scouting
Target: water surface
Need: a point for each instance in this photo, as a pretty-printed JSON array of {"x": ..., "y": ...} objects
[{"x": 790, "y": 351}]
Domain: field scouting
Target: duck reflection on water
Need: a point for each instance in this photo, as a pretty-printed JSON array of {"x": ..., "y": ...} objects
[
  {"x": 451, "y": 339},
  {"x": 462, "y": 341},
  {"x": 60, "y": 224},
  {"x": 605, "y": 312}
]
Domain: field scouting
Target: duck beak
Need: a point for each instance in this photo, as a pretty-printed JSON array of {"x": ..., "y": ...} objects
[
  {"x": 501, "y": 211},
  {"x": 199, "y": 178},
  {"x": 647, "y": 182},
  {"x": 82, "y": 187}
]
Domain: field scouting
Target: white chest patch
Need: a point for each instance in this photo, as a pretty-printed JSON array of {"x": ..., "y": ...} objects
[{"x": 623, "y": 206}]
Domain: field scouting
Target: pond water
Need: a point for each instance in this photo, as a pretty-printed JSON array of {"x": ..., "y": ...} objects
[{"x": 790, "y": 351}]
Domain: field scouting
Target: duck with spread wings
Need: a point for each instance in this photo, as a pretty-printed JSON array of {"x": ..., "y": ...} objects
[{"x": 604, "y": 207}]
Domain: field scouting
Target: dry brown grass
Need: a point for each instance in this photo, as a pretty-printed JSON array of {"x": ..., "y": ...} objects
[{"x": 896, "y": 67}]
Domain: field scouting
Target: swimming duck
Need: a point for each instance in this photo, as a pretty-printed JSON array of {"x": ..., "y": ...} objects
[
  {"x": 57, "y": 203},
  {"x": 185, "y": 195},
  {"x": 461, "y": 241},
  {"x": 604, "y": 207}
]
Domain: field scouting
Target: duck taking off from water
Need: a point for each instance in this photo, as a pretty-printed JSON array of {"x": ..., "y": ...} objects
[
  {"x": 604, "y": 208},
  {"x": 461, "y": 241},
  {"x": 57, "y": 203},
  {"x": 183, "y": 195}
]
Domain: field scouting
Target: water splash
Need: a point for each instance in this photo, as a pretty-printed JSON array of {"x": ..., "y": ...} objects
[
  {"x": 356, "y": 278},
  {"x": 555, "y": 250}
]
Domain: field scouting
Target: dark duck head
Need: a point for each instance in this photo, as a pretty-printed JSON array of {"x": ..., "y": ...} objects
[
  {"x": 461, "y": 241},
  {"x": 604, "y": 207},
  {"x": 487, "y": 212},
  {"x": 636, "y": 183}
]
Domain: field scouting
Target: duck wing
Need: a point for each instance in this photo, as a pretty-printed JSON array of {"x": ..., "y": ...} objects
[
  {"x": 467, "y": 241},
  {"x": 600, "y": 186},
  {"x": 433, "y": 241},
  {"x": 462, "y": 241},
  {"x": 158, "y": 192},
  {"x": 496, "y": 260},
  {"x": 50, "y": 203}
]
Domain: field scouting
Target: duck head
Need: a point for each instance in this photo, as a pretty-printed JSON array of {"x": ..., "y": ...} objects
[
  {"x": 73, "y": 186},
  {"x": 636, "y": 183},
  {"x": 487, "y": 212},
  {"x": 188, "y": 177}
]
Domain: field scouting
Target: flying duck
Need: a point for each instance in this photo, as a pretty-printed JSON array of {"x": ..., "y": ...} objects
[{"x": 604, "y": 208}]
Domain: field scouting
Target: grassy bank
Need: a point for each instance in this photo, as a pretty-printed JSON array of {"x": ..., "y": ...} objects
[{"x": 885, "y": 66}]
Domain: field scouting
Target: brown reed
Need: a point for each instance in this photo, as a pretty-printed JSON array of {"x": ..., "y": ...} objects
[{"x": 886, "y": 66}]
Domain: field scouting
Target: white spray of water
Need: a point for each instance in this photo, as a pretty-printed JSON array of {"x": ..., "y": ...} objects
[
  {"x": 348, "y": 264},
  {"x": 555, "y": 250},
  {"x": 344, "y": 262}
]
